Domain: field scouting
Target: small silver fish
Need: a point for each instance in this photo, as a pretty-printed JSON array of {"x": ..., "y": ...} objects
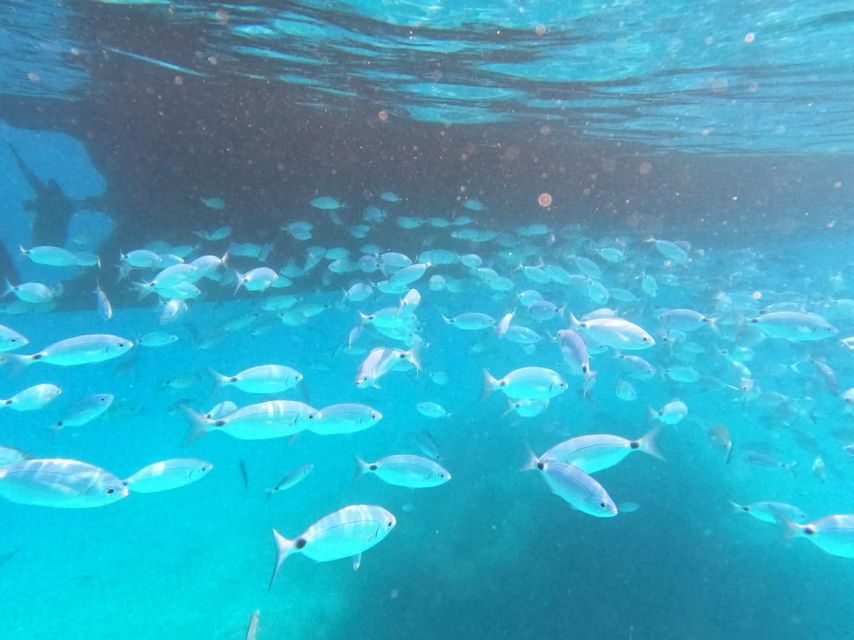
[
  {"x": 85, "y": 411},
  {"x": 291, "y": 479},
  {"x": 103, "y": 303},
  {"x": 252, "y": 629}
]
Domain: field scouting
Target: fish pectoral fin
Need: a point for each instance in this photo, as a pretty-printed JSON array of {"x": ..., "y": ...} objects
[{"x": 357, "y": 561}]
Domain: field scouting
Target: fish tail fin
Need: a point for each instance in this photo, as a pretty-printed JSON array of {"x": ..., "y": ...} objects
[
  {"x": 143, "y": 288},
  {"x": 652, "y": 413},
  {"x": 17, "y": 361},
  {"x": 239, "y": 281},
  {"x": 446, "y": 319},
  {"x": 225, "y": 258},
  {"x": 8, "y": 288},
  {"x": 713, "y": 325},
  {"x": 789, "y": 529},
  {"x": 573, "y": 321},
  {"x": 736, "y": 508},
  {"x": 198, "y": 424},
  {"x": 283, "y": 547},
  {"x": 220, "y": 380},
  {"x": 790, "y": 468},
  {"x": 510, "y": 407},
  {"x": 589, "y": 382},
  {"x": 531, "y": 461},
  {"x": 649, "y": 443},
  {"x": 490, "y": 383},
  {"x": 414, "y": 354},
  {"x": 362, "y": 467},
  {"x": 354, "y": 334},
  {"x": 729, "y": 453}
]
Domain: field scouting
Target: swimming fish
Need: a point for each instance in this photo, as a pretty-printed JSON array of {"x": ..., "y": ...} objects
[
  {"x": 527, "y": 408},
  {"x": 470, "y": 321},
  {"x": 415, "y": 472},
  {"x": 575, "y": 487},
  {"x": 32, "y": 292},
  {"x": 59, "y": 483},
  {"x": 11, "y": 339},
  {"x": 269, "y": 378},
  {"x": 671, "y": 413},
  {"x": 795, "y": 326},
  {"x": 326, "y": 203},
  {"x": 432, "y": 410},
  {"x": 346, "y": 533},
  {"x": 381, "y": 360},
  {"x": 769, "y": 511},
  {"x": 616, "y": 333},
  {"x": 595, "y": 452},
  {"x": 84, "y": 349},
  {"x": 345, "y": 417},
  {"x": 32, "y": 398},
  {"x": 528, "y": 383},
  {"x": 85, "y": 411},
  {"x": 261, "y": 421},
  {"x": 291, "y": 479},
  {"x": 832, "y": 534},
  {"x": 720, "y": 439},
  {"x": 105, "y": 308},
  {"x": 167, "y": 475},
  {"x": 252, "y": 629}
]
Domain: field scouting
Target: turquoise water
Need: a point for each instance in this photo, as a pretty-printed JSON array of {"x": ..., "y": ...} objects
[
  {"x": 720, "y": 127},
  {"x": 489, "y": 553}
]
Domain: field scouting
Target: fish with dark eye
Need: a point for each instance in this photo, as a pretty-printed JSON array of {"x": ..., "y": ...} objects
[
  {"x": 575, "y": 487},
  {"x": 167, "y": 475},
  {"x": 832, "y": 534},
  {"x": 346, "y": 533},
  {"x": 84, "y": 349},
  {"x": 268, "y": 378},
  {"x": 260, "y": 421},
  {"x": 32, "y": 398},
  {"x": 414, "y": 472},
  {"x": 527, "y": 383},
  {"x": 795, "y": 326},
  {"x": 60, "y": 483}
]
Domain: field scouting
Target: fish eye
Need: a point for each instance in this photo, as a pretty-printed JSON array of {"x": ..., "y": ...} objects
[
  {"x": 110, "y": 491},
  {"x": 373, "y": 467},
  {"x": 645, "y": 339},
  {"x": 389, "y": 523},
  {"x": 746, "y": 509},
  {"x": 602, "y": 504},
  {"x": 541, "y": 466},
  {"x": 311, "y": 416}
]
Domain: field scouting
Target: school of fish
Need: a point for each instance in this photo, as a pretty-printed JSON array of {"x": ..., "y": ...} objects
[{"x": 590, "y": 320}]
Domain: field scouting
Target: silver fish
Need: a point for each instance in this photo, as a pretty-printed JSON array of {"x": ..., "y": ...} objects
[
  {"x": 84, "y": 349},
  {"x": 167, "y": 475},
  {"x": 85, "y": 411},
  {"x": 60, "y": 483},
  {"x": 345, "y": 533},
  {"x": 292, "y": 478}
]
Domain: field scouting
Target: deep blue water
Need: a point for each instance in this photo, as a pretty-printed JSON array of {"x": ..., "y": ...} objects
[{"x": 721, "y": 126}]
